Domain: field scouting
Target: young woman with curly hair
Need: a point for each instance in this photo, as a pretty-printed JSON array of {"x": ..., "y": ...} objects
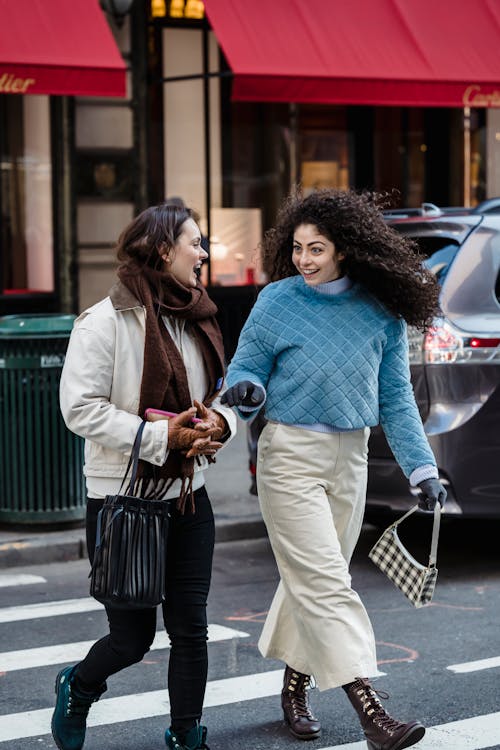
[{"x": 325, "y": 347}]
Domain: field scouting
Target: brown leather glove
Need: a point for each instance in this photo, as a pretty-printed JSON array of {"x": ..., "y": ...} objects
[
  {"x": 183, "y": 437},
  {"x": 203, "y": 447},
  {"x": 181, "y": 433},
  {"x": 212, "y": 422}
]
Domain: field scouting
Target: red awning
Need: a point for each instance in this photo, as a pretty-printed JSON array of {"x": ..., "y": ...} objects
[
  {"x": 58, "y": 47},
  {"x": 443, "y": 53}
]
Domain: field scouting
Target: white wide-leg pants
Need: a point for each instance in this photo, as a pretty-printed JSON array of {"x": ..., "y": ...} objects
[{"x": 312, "y": 491}]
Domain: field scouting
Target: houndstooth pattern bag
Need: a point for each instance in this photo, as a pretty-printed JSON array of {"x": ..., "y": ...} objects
[{"x": 416, "y": 581}]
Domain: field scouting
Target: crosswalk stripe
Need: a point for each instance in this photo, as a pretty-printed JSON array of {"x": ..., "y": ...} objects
[
  {"x": 475, "y": 666},
  {"x": 66, "y": 653},
  {"x": 467, "y": 734},
  {"x": 19, "y": 579},
  {"x": 49, "y": 609},
  {"x": 145, "y": 705}
]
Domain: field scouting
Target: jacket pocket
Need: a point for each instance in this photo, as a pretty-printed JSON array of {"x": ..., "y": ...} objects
[{"x": 103, "y": 462}]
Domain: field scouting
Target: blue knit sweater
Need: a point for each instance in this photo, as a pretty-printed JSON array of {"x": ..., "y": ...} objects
[{"x": 341, "y": 360}]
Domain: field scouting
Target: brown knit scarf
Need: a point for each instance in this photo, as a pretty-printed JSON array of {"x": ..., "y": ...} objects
[{"x": 164, "y": 381}]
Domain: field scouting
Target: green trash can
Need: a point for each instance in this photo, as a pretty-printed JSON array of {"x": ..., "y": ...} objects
[{"x": 41, "y": 479}]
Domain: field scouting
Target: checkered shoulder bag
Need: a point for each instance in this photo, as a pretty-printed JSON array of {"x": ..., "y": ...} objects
[{"x": 416, "y": 581}]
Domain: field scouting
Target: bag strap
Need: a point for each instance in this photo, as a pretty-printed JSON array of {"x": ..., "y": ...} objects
[
  {"x": 435, "y": 530},
  {"x": 435, "y": 534},
  {"x": 98, "y": 538},
  {"x": 133, "y": 462}
]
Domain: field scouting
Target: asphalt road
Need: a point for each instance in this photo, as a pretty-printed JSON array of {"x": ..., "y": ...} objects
[{"x": 415, "y": 650}]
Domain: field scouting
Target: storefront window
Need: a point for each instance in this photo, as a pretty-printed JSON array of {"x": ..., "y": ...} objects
[
  {"x": 477, "y": 156},
  {"x": 26, "y": 230},
  {"x": 324, "y": 154},
  {"x": 256, "y": 175},
  {"x": 226, "y": 160},
  {"x": 418, "y": 152}
]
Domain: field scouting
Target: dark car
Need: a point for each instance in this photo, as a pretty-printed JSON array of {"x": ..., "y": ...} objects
[{"x": 455, "y": 367}]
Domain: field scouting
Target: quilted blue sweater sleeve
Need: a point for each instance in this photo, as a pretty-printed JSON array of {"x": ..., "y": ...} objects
[
  {"x": 399, "y": 415},
  {"x": 254, "y": 356}
]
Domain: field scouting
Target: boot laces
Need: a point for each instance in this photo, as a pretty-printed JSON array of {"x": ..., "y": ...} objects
[
  {"x": 178, "y": 746},
  {"x": 373, "y": 708},
  {"x": 297, "y": 686},
  {"x": 78, "y": 704}
]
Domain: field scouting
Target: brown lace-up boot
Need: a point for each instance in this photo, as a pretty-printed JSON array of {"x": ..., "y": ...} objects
[
  {"x": 296, "y": 709},
  {"x": 382, "y": 732}
]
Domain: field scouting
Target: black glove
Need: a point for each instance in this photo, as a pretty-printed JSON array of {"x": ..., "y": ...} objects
[
  {"x": 432, "y": 492},
  {"x": 243, "y": 393}
]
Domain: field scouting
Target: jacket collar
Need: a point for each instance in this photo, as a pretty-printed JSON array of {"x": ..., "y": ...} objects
[{"x": 122, "y": 298}]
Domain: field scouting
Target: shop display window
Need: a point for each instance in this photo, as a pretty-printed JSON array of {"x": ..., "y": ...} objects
[
  {"x": 477, "y": 157},
  {"x": 26, "y": 216},
  {"x": 324, "y": 160},
  {"x": 234, "y": 187},
  {"x": 325, "y": 156}
]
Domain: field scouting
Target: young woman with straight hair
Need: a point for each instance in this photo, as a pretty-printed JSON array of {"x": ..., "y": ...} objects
[{"x": 152, "y": 343}]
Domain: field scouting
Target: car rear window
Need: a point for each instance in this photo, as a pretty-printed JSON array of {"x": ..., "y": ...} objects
[{"x": 439, "y": 254}]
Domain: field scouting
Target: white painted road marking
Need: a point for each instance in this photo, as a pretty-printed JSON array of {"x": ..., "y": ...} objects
[
  {"x": 475, "y": 733},
  {"x": 18, "y": 579},
  {"x": 467, "y": 734},
  {"x": 145, "y": 705},
  {"x": 49, "y": 609},
  {"x": 475, "y": 666},
  {"x": 67, "y": 653}
]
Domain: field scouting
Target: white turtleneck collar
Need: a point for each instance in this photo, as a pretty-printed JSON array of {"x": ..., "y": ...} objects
[{"x": 337, "y": 286}]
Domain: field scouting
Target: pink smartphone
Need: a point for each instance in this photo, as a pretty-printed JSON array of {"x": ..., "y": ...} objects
[{"x": 195, "y": 420}]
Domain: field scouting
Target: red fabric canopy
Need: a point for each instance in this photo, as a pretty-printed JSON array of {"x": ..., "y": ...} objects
[
  {"x": 58, "y": 47},
  {"x": 442, "y": 53}
]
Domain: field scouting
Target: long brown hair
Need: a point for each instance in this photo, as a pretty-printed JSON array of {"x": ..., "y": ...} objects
[{"x": 152, "y": 233}]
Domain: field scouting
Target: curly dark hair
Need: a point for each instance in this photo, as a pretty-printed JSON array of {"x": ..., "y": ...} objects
[{"x": 387, "y": 264}]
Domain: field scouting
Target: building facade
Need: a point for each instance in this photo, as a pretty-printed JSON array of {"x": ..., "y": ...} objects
[{"x": 75, "y": 170}]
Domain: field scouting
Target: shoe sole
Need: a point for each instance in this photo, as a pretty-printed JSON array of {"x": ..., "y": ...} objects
[
  {"x": 311, "y": 736},
  {"x": 54, "y": 736},
  {"x": 413, "y": 736},
  {"x": 56, "y": 690}
]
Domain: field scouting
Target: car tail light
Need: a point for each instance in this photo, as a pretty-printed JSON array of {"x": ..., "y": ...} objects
[
  {"x": 483, "y": 343},
  {"x": 443, "y": 344}
]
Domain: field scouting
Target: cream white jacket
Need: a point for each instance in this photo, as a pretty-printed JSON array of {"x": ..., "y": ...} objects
[{"x": 100, "y": 388}]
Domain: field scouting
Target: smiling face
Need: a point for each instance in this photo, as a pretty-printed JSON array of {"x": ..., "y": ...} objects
[
  {"x": 314, "y": 256},
  {"x": 185, "y": 258}
]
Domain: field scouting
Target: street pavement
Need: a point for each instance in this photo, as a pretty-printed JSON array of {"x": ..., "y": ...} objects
[
  {"x": 236, "y": 513},
  {"x": 440, "y": 664}
]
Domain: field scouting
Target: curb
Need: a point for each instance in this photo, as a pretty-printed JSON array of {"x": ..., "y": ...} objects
[
  {"x": 42, "y": 549},
  {"x": 233, "y": 531},
  {"x": 71, "y": 545}
]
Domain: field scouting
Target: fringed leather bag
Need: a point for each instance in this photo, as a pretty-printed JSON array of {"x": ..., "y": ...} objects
[
  {"x": 128, "y": 570},
  {"x": 416, "y": 581}
]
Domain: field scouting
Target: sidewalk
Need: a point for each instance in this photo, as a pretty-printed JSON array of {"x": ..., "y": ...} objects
[{"x": 236, "y": 512}]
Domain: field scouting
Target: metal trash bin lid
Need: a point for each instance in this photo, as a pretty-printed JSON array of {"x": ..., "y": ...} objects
[{"x": 34, "y": 325}]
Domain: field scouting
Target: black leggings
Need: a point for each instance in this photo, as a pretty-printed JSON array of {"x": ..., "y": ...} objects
[{"x": 131, "y": 632}]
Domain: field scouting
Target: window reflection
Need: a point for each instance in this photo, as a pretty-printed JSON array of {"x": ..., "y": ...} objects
[{"x": 26, "y": 240}]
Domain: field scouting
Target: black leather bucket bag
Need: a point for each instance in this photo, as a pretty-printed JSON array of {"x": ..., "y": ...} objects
[{"x": 130, "y": 555}]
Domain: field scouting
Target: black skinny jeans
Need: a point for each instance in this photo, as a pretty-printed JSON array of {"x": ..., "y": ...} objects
[{"x": 131, "y": 632}]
